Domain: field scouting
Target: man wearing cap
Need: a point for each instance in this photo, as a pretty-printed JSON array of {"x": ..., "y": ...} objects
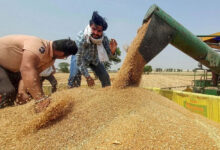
[
  {"x": 94, "y": 49},
  {"x": 24, "y": 57}
]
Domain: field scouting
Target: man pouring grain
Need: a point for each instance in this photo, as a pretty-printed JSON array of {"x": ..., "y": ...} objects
[{"x": 24, "y": 57}]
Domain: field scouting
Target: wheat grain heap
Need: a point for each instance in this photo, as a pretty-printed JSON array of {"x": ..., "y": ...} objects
[
  {"x": 110, "y": 118},
  {"x": 131, "y": 118}
]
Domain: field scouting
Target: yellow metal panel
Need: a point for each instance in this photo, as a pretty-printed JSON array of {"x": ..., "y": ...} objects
[
  {"x": 206, "y": 105},
  {"x": 209, "y": 38}
]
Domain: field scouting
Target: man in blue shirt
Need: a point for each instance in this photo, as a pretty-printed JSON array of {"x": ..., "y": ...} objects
[{"x": 94, "y": 49}]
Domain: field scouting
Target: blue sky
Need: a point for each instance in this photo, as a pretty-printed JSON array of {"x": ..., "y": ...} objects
[{"x": 56, "y": 19}]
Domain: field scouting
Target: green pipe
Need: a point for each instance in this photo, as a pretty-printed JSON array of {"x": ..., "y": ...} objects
[{"x": 180, "y": 38}]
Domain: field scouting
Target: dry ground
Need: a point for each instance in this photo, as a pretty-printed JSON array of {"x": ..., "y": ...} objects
[
  {"x": 164, "y": 81},
  {"x": 151, "y": 80}
]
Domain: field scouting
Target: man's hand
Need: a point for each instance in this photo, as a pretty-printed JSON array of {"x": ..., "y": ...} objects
[
  {"x": 23, "y": 98},
  {"x": 113, "y": 46},
  {"x": 90, "y": 81},
  {"x": 42, "y": 104}
]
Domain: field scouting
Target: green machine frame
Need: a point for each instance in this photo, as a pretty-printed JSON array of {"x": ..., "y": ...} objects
[{"x": 163, "y": 29}]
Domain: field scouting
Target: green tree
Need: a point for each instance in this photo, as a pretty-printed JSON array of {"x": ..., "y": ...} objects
[
  {"x": 158, "y": 69},
  {"x": 179, "y": 70},
  {"x": 147, "y": 69},
  {"x": 63, "y": 67},
  {"x": 114, "y": 59}
]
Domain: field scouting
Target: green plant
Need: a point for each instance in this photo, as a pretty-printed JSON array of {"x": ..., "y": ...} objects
[
  {"x": 64, "y": 67},
  {"x": 147, "y": 69}
]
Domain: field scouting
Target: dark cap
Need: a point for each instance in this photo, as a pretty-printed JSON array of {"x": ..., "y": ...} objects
[{"x": 98, "y": 20}]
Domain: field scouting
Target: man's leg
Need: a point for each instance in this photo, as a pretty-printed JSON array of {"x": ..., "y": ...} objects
[
  {"x": 75, "y": 81},
  {"x": 73, "y": 71},
  {"x": 8, "y": 87},
  {"x": 102, "y": 74},
  {"x": 75, "y": 75},
  {"x": 42, "y": 81},
  {"x": 53, "y": 82}
]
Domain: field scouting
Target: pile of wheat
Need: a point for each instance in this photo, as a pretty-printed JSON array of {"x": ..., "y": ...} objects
[{"x": 131, "y": 118}]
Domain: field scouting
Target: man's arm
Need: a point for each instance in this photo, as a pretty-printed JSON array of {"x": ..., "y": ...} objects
[
  {"x": 31, "y": 79},
  {"x": 80, "y": 41},
  {"x": 80, "y": 59},
  {"x": 30, "y": 75},
  {"x": 82, "y": 67},
  {"x": 110, "y": 46}
]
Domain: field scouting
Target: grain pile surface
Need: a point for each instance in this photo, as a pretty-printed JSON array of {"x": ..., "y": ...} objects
[{"x": 131, "y": 118}]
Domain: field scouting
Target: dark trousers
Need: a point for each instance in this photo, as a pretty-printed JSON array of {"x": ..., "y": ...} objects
[
  {"x": 101, "y": 73},
  {"x": 75, "y": 80},
  {"x": 9, "y": 82},
  {"x": 99, "y": 70},
  {"x": 52, "y": 81}
]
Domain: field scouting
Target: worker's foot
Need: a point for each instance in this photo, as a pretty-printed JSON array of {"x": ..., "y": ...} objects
[{"x": 42, "y": 105}]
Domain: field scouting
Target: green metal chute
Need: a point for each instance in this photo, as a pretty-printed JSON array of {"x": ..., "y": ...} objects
[{"x": 163, "y": 29}]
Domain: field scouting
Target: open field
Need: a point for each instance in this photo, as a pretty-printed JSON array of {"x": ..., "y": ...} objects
[{"x": 163, "y": 80}]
